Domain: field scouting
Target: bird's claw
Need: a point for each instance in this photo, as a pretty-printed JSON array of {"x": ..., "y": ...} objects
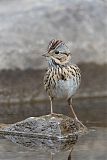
[{"x": 80, "y": 123}]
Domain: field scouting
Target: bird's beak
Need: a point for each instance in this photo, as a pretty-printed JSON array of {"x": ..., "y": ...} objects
[{"x": 45, "y": 55}]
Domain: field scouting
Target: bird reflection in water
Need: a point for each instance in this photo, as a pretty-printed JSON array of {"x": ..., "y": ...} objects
[
  {"x": 69, "y": 156},
  {"x": 51, "y": 144}
]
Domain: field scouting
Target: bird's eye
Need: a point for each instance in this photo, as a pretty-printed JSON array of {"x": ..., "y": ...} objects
[{"x": 56, "y": 52}]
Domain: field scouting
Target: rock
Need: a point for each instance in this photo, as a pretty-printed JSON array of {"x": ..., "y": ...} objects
[
  {"x": 56, "y": 125},
  {"x": 2, "y": 125},
  {"x": 55, "y": 132}
]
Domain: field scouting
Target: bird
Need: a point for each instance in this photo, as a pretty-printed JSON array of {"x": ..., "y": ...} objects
[{"x": 62, "y": 78}]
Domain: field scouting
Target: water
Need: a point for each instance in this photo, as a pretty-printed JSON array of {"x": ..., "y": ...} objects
[{"x": 90, "y": 146}]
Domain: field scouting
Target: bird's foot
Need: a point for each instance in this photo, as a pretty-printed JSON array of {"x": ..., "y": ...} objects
[
  {"x": 80, "y": 123},
  {"x": 53, "y": 114}
]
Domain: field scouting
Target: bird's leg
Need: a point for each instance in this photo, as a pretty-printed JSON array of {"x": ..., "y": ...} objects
[
  {"x": 74, "y": 114},
  {"x": 70, "y": 104},
  {"x": 69, "y": 156},
  {"x": 52, "y": 156},
  {"x": 51, "y": 104}
]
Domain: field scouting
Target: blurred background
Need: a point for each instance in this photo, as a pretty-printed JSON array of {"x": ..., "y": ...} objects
[{"x": 25, "y": 31}]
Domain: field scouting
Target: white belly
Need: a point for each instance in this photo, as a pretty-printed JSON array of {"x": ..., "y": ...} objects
[{"x": 65, "y": 89}]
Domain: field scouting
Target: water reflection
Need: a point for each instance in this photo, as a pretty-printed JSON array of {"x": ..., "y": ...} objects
[
  {"x": 52, "y": 133},
  {"x": 91, "y": 146},
  {"x": 52, "y": 145},
  {"x": 38, "y": 143}
]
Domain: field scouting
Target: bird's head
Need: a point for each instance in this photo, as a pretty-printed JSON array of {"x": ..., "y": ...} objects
[{"x": 58, "y": 52}]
